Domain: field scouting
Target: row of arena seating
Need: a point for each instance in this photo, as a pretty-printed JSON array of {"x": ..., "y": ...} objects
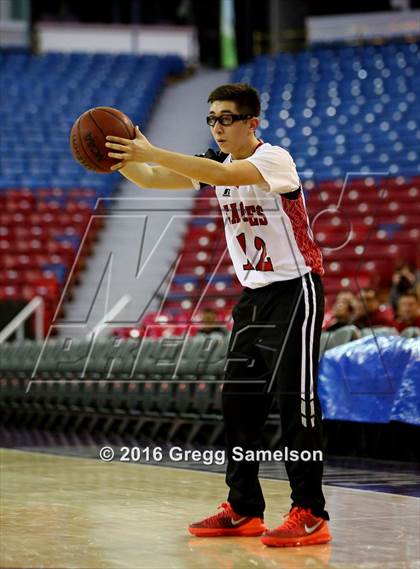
[
  {"x": 44, "y": 246},
  {"x": 153, "y": 381},
  {"x": 43, "y": 95},
  {"x": 46, "y": 198},
  {"x": 342, "y": 109},
  {"x": 147, "y": 359}
]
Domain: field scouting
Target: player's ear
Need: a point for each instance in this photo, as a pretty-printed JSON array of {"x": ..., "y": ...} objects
[{"x": 254, "y": 123}]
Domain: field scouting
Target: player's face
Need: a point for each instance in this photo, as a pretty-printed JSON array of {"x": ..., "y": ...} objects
[{"x": 229, "y": 137}]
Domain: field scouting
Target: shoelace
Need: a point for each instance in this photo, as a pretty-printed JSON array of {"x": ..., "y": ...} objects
[
  {"x": 227, "y": 511},
  {"x": 294, "y": 518}
]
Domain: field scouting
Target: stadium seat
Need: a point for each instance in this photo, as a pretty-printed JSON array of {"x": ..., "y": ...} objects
[
  {"x": 380, "y": 331},
  {"x": 338, "y": 337},
  {"x": 411, "y": 332}
]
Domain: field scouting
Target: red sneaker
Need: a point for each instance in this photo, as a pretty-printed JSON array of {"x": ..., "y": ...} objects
[
  {"x": 228, "y": 523},
  {"x": 300, "y": 528}
]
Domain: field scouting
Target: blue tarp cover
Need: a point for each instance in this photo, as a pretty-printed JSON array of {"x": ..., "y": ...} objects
[{"x": 372, "y": 380}]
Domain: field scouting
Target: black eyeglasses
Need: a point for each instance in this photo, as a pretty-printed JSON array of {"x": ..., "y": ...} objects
[{"x": 225, "y": 120}]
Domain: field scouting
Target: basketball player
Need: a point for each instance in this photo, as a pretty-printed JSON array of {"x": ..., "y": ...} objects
[{"x": 274, "y": 346}]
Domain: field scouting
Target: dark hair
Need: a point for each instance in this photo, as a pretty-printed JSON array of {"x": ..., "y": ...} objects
[{"x": 246, "y": 97}]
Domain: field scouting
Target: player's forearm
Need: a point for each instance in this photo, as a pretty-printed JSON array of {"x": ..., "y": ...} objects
[
  {"x": 139, "y": 173},
  {"x": 155, "y": 177},
  {"x": 183, "y": 167},
  {"x": 193, "y": 167}
]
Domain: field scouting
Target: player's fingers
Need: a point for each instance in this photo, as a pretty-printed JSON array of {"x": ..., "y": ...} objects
[
  {"x": 115, "y": 146},
  {"x": 117, "y": 139},
  {"x": 118, "y": 155},
  {"x": 117, "y": 166}
]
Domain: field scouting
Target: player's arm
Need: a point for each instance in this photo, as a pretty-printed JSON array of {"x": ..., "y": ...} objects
[
  {"x": 238, "y": 173},
  {"x": 156, "y": 177},
  {"x": 139, "y": 150}
]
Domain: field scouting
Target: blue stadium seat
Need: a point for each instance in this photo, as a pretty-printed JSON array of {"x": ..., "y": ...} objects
[
  {"x": 366, "y": 93},
  {"x": 43, "y": 95}
]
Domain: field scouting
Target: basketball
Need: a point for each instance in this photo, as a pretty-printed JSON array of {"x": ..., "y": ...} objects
[{"x": 88, "y": 137}]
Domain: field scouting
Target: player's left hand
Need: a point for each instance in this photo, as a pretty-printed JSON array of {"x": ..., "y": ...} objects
[{"x": 137, "y": 150}]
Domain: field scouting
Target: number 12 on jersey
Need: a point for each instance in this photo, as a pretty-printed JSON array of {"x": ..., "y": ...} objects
[{"x": 264, "y": 263}]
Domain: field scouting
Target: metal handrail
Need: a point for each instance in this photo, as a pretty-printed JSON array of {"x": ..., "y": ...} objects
[
  {"x": 36, "y": 305},
  {"x": 118, "y": 306}
]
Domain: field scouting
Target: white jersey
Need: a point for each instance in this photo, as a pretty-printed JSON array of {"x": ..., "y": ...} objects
[{"x": 267, "y": 232}]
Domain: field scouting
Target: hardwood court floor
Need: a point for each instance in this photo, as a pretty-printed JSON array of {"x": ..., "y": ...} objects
[{"x": 59, "y": 511}]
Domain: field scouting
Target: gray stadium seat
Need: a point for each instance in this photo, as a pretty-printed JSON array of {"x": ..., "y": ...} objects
[
  {"x": 338, "y": 337},
  {"x": 411, "y": 332},
  {"x": 380, "y": 331}
]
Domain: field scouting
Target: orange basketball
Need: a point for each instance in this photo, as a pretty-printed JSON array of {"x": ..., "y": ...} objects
[{"x": 88, "y": 137}]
